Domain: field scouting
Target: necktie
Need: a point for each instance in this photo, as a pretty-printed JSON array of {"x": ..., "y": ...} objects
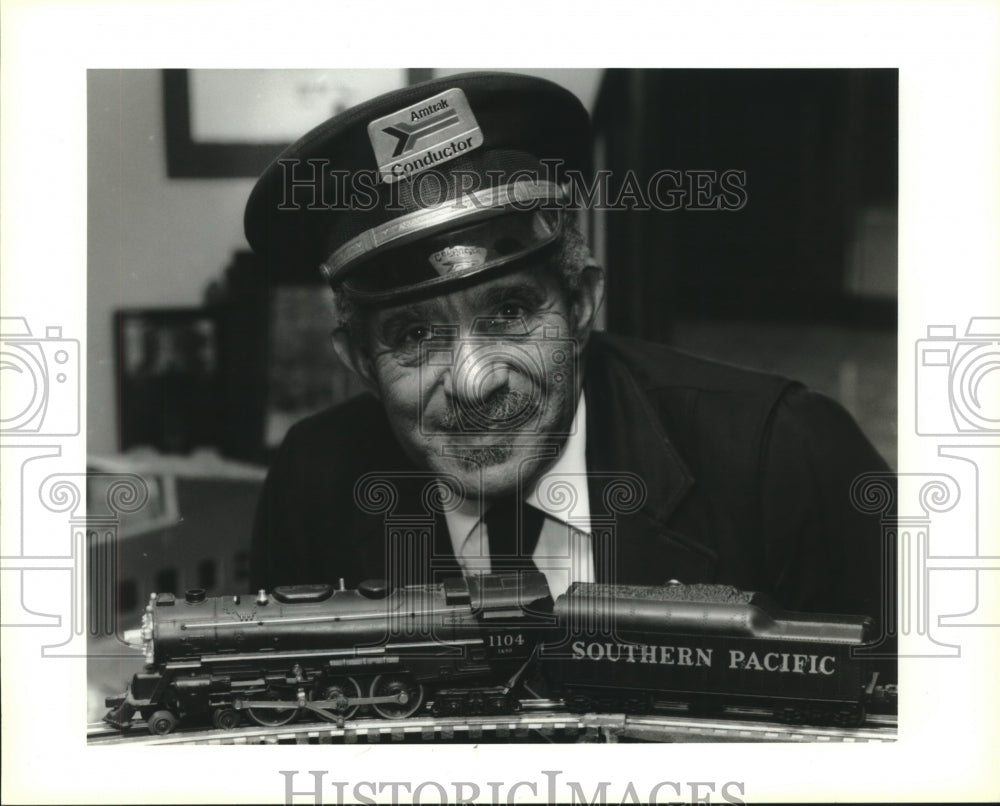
[{"x": 503, "y": 520}]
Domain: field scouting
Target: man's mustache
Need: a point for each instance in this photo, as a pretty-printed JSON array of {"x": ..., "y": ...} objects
[
  {"x": 503, "y": 410},
  {"x": 485, "y": 456}
]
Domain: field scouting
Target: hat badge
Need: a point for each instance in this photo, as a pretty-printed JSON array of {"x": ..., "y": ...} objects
[{"x": 457, "y": 258}]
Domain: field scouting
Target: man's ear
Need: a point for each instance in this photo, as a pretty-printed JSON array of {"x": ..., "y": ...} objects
[
  {"x": 588, "y": 299},
  {"x": 354, "y": 358}
]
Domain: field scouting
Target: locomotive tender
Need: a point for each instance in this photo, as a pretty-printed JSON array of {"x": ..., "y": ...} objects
[
  {"x": 468, "y": 644},
  {"x": 710, "y": 646}
]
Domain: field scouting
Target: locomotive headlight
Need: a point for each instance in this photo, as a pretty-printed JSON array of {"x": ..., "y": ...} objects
[
  {"x": 142, "y": 638},
  {"x": 134, "y": 638}
]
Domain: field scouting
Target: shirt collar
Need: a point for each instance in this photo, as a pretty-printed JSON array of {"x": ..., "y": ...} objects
[{"x": 562, "y": 491}]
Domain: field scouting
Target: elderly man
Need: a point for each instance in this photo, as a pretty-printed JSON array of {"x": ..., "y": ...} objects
[{"x": 501, "y": 431}]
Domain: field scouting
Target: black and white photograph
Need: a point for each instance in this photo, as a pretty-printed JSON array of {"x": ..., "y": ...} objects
[
  {"x": 620, "y": 482},
  {"x": 488, "y": 418}
]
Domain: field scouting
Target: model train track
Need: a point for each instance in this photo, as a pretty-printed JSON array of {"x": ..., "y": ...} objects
[{"x": 542, "y": 720}]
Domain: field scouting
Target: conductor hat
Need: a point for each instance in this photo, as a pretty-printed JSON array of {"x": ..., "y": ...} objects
[{"x": 423, "y": 188}]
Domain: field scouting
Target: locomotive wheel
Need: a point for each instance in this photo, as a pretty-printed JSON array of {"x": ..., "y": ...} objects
[
  {"x": 384, "y": 685},
  {"x": 342, "y": 688},
  {"x": 271, "y": 717},
  {"x": 447, "y": 707},
  {"x": 499, "y": 705},
  {"x": 226, "y": 718},
  {"x": 160, "y": 723},
  {"x": 579, "y": 703}
]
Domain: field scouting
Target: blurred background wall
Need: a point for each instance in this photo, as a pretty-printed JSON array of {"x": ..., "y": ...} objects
[
  {"x": 781, "y": 251},
  {"x": 153, "y": 241}
]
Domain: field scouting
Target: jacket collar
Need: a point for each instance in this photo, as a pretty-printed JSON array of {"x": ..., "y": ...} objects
[
  {"x": 398, "y": 527},
  {"x": 630, "y": 458}
]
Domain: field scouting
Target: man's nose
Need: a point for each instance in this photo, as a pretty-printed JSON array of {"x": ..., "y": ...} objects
[{"x": 478, "y": 373}]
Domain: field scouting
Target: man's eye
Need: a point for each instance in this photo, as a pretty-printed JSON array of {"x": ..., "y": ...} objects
[
  {"x": 415, "y": 333},
  {"x": 406, "y": 337},
  {"x": 512, "y": 310}
]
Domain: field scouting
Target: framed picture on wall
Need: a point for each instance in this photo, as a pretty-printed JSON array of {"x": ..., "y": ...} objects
[
  {"x": 169, "y": 393},
  {"x": 223, "y": 123}
]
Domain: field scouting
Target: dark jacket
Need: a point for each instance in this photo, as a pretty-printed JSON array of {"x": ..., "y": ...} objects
[{"x": 746, "y": 477}]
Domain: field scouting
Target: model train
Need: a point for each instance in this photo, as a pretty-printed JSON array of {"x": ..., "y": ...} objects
[{"x": 473, "y": 645}]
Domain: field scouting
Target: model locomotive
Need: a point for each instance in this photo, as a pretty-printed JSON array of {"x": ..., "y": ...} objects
[{"x": 469, "y": 646}]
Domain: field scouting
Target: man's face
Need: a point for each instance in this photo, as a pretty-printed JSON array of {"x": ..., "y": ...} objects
[{"x": 481, "y": 383}]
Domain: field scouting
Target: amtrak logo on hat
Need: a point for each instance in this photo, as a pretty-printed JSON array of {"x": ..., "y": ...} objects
[{"x": 424, "y": 135}]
